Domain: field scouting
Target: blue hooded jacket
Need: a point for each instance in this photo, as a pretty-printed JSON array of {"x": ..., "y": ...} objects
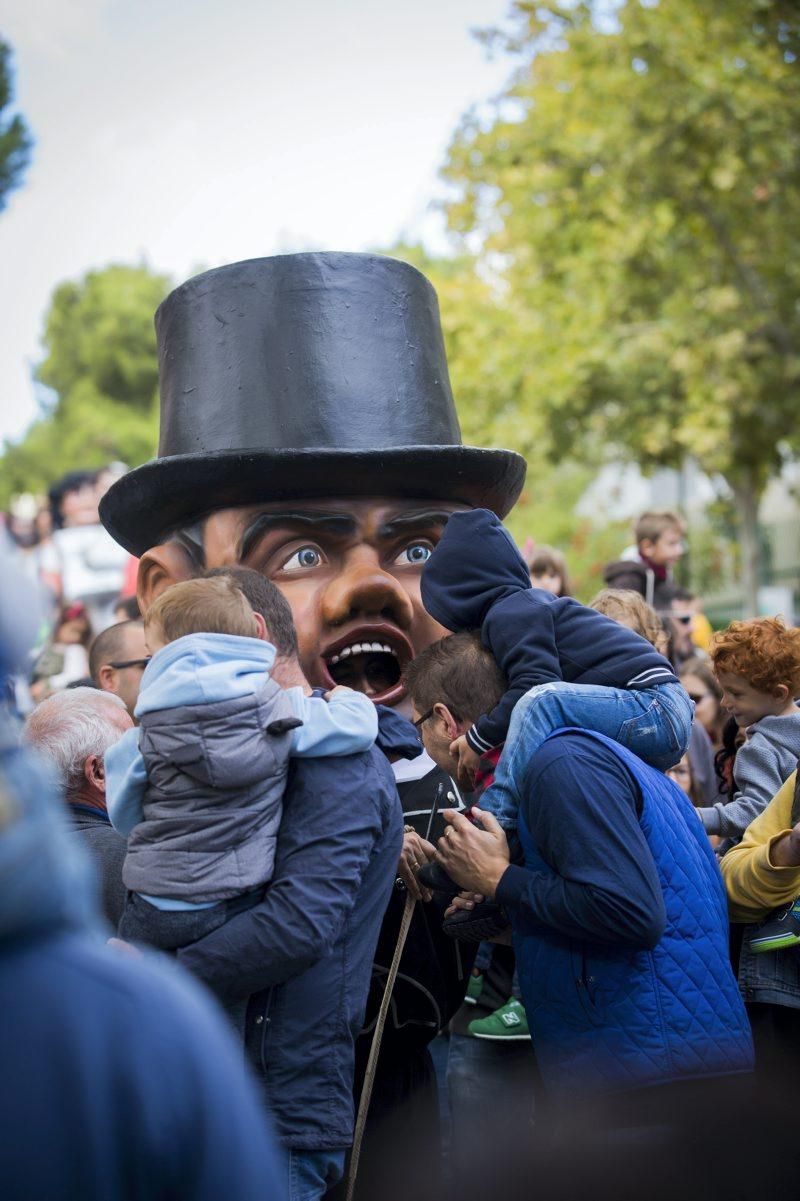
[
  {"x": 476, "y": 579},
  {"x": 304, "y": 954}
]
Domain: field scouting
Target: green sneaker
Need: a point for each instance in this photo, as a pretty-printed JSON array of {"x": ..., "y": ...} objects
[
  {"x": 474, "y": 989},
  {"x": 780, "y": 931},
  {"x": 507, "y": 1024}
]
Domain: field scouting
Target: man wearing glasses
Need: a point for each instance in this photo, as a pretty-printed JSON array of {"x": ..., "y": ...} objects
[
  {"x": 677, "y": 610},
  {"x": 117, "y": 660}
]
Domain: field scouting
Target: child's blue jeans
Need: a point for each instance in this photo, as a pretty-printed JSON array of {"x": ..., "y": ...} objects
[{"x": 654, "y": 723}]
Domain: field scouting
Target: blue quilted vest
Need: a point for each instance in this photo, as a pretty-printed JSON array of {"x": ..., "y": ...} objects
[{"x": 606, "y": 1018}]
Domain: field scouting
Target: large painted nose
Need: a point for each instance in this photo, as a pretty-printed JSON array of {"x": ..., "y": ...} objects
[{"x": 365, "y": 590}]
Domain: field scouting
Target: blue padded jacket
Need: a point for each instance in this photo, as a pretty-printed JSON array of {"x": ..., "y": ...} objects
[{"x": 608, "y": 1016}]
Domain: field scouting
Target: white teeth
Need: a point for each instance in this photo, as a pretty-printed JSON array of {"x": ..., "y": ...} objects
[{"x": 360, "y": 648}]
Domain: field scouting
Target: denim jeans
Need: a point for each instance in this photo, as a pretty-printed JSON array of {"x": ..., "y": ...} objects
[
  {"x": 307, "y": 1175},
  {"x": 483, "y": 960},
  {"x": 654, "y": 723}
]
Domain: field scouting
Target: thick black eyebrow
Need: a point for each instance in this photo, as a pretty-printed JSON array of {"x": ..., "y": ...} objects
[
  {"x": 340, "y": 524},
  {"x": 420, "y": 518}
]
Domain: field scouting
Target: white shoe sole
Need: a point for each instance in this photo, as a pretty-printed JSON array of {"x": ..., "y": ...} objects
[{"x": 503, "y": 1038}]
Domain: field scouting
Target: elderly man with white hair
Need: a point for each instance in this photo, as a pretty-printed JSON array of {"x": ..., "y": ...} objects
[{"x": 73, "y": 730}]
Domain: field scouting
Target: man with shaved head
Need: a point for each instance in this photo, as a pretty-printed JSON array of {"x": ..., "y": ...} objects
[{"x": 117, "y": 659}]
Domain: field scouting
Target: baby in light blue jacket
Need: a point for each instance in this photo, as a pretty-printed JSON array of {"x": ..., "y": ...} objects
[{"x": 198, "y": 787}]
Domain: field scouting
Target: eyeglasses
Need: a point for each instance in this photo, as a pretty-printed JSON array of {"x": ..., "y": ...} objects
[
  {"x": 419, "y": 723},
  {"x": 130, "y": 663}
]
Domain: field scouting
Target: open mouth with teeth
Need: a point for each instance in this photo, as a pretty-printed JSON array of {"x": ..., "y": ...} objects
[{"x": 371, "y": 661}]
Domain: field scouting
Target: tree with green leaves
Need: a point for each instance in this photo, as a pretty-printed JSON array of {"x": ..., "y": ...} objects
[
  {"x": 15, "y": 139},
  {"x": 635, "y": 196},
  {"x": 488, "y": 373},
  {"x": 101, "y": 370}
]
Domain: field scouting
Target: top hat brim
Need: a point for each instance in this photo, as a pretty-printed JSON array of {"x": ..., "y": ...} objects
[{"x": 153, "y": 501}]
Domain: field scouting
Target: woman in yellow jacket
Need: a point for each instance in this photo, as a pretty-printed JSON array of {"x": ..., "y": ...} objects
[{"x": 762, "y": 874}]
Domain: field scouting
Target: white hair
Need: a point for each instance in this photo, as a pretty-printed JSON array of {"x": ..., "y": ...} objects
[{"x": 69, "y": 727}]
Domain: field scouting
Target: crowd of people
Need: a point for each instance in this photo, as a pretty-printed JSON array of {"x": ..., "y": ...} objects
[
  {"x": 607, "y": 771},
  {"x": 86, "y": 580}
]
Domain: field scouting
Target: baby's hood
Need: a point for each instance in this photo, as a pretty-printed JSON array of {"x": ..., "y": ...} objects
[
  {"x": 201, "y": 668},
  {"x": 475, "y": 564}
]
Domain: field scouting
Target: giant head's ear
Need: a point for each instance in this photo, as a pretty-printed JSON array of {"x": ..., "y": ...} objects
[{"x": 160, "y": 567}]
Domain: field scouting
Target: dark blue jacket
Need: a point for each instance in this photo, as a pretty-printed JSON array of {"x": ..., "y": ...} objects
[
  {"x": 476, "y": 579},
  {"x": 620, "y": 925},
  {"x": 304, "y": 955},
  {"x": 118, "y": 1079}
]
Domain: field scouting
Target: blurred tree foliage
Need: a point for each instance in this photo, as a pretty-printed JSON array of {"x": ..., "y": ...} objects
[
  {"x": 632, "y": 203},
  {"x": 15, "y": 139},
  {"x": 101, "y": 368}
]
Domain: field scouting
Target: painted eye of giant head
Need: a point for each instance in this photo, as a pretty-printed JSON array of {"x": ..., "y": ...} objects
[
  {"x": 304, "y": 559},
  {"x": 414, "y": 555}
]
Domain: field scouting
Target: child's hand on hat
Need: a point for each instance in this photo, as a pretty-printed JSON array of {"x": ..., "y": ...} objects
[{"x": 468, "y": 762}]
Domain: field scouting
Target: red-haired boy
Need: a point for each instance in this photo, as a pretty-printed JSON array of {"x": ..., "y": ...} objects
[{"x": 757, "y": 664}]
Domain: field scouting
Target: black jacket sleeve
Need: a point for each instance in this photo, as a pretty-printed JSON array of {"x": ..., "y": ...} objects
[
  {"x": 520, "y": 633},
  {"x": 581, "y": 807}
]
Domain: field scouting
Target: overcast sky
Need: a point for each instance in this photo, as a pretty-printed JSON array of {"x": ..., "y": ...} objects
[{"x": 199, "y": 132}]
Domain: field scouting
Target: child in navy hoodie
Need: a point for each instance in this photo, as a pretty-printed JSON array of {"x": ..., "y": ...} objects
[{"x": 566, "y": 665}]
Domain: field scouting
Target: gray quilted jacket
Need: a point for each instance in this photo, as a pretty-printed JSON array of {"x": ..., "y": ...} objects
[{"x": 215, "y": 779}]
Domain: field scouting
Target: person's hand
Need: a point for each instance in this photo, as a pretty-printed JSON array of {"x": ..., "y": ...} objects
[
  {"x": 468, "y": 900},
  {"x": 467, "y": 762},
  {"x": 475, "y": 858},
  {"x": 785, "y": 852},
  {"x": 464, "y": 900},
  {"x": 124, "y": 948},
  {"x": 415, "y": 852}
]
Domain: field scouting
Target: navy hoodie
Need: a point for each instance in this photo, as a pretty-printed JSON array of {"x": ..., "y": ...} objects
[{"x": 476, "y": 579}]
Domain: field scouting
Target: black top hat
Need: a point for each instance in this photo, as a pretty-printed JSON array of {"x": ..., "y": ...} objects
[{"x": 303, "y": 375}]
